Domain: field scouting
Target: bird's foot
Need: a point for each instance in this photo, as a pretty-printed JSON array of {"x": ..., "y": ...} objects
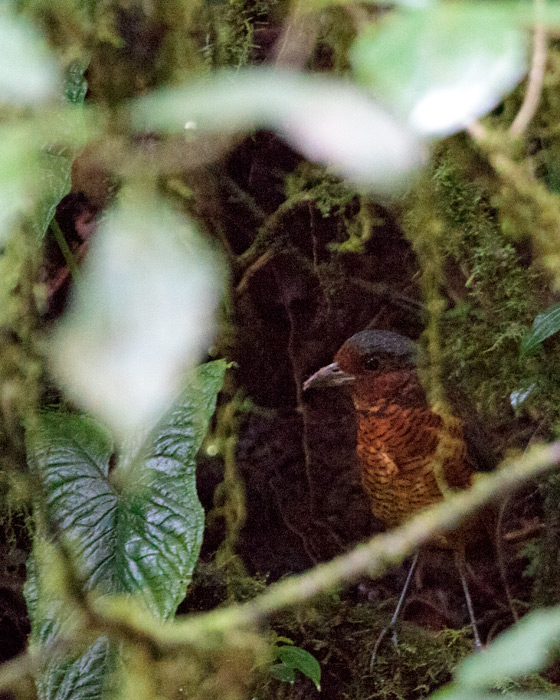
[{"x": 384, "y": 632}]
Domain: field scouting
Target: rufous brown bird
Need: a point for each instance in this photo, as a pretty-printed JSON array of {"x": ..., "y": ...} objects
[{"x": 409, "y": 454}]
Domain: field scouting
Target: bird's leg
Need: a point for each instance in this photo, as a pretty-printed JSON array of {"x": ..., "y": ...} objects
[
  {"x": 460, "y": 563},
  {"x": 393, "y": 623}
]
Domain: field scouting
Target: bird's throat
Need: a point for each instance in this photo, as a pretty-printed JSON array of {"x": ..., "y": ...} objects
[{"x": 376, "y": 393}]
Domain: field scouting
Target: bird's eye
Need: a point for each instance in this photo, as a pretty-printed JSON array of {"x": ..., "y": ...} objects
[{"x": 371, "y": 363}]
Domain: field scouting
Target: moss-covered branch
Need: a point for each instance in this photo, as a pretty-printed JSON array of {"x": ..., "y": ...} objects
[{"x": 123, "y": 620}]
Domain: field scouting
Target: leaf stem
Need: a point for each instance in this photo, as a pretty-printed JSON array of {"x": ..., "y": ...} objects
[{"x": 65, "y": 249}]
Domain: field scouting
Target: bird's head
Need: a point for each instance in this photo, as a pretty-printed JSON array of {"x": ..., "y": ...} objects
[{"x": 368, "y": 359}]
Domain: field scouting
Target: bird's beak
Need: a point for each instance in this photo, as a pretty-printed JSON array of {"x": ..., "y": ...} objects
[{"x": 331, "y": 375}]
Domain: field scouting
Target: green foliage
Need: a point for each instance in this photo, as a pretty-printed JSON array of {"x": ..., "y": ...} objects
[
  {"x": 460, "y": 59},
  {"x": 376, "y": 151},
  {"x": 511, "y": 663},
  {"x": 341, "y": 635},
  {"x": 481, "y": 335},
  {"x": 525, "y": 648},
  {"x": 293, "y": 658},
  {"x": 156, "y": 106},
  {"x": 545, "y": 324},
  {"x": 232, "y": 40},
  {"x": 134, "y": 529},
  {"x": 141, "y": 268},
  {"x": 29, "y": 72}
]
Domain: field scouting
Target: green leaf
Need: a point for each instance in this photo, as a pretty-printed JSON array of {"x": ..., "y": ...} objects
[
  {"x": 136, "y": 529},
  {"x": 444, "y": 66},
  {"x": 545, "y": 324},
  {"x": 526, "y": 647},
  {"x": 56, "y": 182},
  {"x": 283, "y": 672},
  {"x": 328, "y": 120},
  {"x": 301, "y": 660},
  {"x": 143, "y": 312},
  {"x": 30, "y": 171},
  {"x": 56, "y": 165},
  {"x": 75, "y": 84},
  {"x": 28, "y": 71}
]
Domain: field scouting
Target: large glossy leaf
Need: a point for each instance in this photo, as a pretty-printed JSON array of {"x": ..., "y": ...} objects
[
  {"x": 142, "y": 313},
  {"x": 443, "y": 66},
  {"x": 136, "y": 529},
  {"x": 328, "y": 120}
]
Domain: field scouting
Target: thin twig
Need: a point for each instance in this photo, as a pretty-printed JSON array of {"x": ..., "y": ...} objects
[
  {"x": 536, "y": 75},
  {"x": 501, "y": 562}
]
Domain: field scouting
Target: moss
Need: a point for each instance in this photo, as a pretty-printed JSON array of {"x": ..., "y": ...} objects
[
  {"x": 334, "y": 198},
  {"x": 483, "y": 291},
  {"x": 331, "y": 194},
  {"x": 495, "y": 294},
  {"x": 533, "y": 682},
  {"x": 341, "y": 635},
  {"x": 337, "y": 32},
  {"x": 231, "y": 32}
]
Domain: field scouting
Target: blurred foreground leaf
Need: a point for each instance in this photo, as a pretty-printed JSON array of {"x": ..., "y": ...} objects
[
  {"x": 142, "y": 313},
  {"x": 136, "y": 529},
  {"x": 526, "y": 647},
  {"x": 328, "y": 120},
  {"x": 35, "y": 160},
  {"x": 29, "y": 73},
  {"x": 443, "y": 66}
]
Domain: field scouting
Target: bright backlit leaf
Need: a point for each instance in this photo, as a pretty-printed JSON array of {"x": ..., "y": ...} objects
[
  {"x": 517, "y": 398},
  {"x": 328, "y": 120},
  {"x": 528, "y": 646},
  {"x": 28, "y": 71},
  {"x": 142, "y": 312},
  {"x": 442, "y": 67}
]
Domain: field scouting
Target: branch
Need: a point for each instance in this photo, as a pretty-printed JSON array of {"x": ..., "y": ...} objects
[
  {"x": 269, "y": 239},
  {"x": 123, "y": 620},
  {"x": 372, "y": 558},
  {"x": 536, "y": 75},
  {"x": 380, "y": 553}
]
